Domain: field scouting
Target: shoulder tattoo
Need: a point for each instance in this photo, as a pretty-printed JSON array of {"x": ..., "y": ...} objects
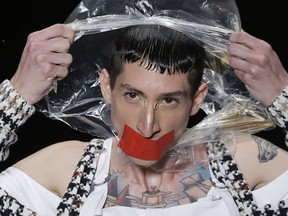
[{"x": 267, "y": 150}]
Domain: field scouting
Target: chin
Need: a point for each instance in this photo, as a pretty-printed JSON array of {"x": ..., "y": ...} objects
[{"x": 142, "y": 163}]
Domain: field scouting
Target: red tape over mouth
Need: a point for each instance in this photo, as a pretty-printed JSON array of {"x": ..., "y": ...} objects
[{"x": 137, "y": 146}]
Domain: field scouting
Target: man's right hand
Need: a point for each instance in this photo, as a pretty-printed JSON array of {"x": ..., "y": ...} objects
[{"x": 45, "y": 59}]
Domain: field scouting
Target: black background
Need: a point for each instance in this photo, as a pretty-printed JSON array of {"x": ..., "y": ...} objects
[{"x": 263, "y": 19}]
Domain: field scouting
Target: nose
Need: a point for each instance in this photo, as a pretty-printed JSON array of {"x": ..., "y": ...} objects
[{"x": 148, "y": 124}]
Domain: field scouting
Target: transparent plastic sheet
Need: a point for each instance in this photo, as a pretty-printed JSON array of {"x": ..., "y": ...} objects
[
  {"x": 230, "y": 113},
  {"x": 79, "y": 103},
  {"x": 208, "y": 21}
]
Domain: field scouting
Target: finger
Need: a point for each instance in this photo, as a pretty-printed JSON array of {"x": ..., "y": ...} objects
[
  {"x": 239, "y": 74},
  {"x": 61, "y": 59},
  {"x": 68, "y": 33},
  {"x": 57, "y": 30},
  {"x": 240, "y": 51},
  {"x": 45, "y": 70},
  {"x": 260, "y": 59},
  {"x": 247, "y": 78},
  {"x": 239, "y": 37},
  {"x": 51, "y": 45},
  {"x": 57, "y": 45},
  {"x": 251, "y": 69},
  {"x": 239, "y": 63},
  {"x": 56, "y": 72},
  {"x": 61, "y": 72},
  {"x": 248, "y": 40}
]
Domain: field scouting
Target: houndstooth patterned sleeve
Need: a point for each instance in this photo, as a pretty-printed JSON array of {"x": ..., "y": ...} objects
[
  {"x": 14, "y": 111},
  {"x": 279, "y": 110}
]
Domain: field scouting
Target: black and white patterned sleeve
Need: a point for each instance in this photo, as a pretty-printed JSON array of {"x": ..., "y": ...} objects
[
  {"x": 279, "y": 110},
  {"x": 14, "y": 111}
]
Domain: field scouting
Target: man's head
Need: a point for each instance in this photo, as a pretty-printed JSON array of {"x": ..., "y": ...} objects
[
  {"x": 154, "y": 83},
  {"x": 160, "y": 48}
]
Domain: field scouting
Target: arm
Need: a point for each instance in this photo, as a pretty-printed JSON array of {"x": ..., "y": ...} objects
[
  {"x": 259, "y": 67},
  {"x": 14, "y": 111},
  {"x": 260, "y": 160},
  {"x": 45, "y": 59}
]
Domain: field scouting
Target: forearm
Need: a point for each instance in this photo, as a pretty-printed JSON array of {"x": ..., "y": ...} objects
[
  {"x": 279, "y": 110},
  {"x": 14, "y": 111}
]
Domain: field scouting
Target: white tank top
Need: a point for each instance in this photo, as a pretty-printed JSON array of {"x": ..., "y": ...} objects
[{"x": 217, "y": 202}]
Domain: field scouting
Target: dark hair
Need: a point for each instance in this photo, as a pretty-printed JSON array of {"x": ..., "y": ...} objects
[{"x": 158, "y": 47}]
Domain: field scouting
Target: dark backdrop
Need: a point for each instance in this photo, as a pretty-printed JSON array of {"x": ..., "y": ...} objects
[{"x": 263, "y": 19}]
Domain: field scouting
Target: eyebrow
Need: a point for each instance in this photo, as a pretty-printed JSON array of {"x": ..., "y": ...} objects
[{"x": 128, "y": 87}]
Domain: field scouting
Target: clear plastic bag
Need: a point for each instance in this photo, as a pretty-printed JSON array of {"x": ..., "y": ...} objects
[
  {"x": 207, "y": 21},
  {"x": 230, "y": 113},
  {"x": 78, "y": 101}
]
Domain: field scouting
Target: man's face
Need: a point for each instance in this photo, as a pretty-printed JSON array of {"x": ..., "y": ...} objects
[{"x": 150, "y": 103}]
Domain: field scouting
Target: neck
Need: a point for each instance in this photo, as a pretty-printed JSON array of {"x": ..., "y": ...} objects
[{"x": 168, "y": 182}]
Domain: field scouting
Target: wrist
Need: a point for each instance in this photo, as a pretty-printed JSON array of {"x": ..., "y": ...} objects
[
  {"x": 278, "y": 108},
  {"x": 13, "y": 105}
]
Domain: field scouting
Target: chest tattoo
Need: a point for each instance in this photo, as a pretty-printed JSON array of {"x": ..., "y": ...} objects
[{"x": 187, "y": 188}]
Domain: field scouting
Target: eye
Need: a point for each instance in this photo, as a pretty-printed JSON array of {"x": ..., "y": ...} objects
[
  {"x": 132, "y": 96},
  {"x": 169, "y": 101}
]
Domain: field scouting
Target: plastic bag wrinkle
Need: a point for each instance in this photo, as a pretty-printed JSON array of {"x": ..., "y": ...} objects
[{"x": 79, "y": 102}]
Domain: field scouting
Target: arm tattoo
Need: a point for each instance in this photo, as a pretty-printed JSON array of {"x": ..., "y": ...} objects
[{"x": 267, "y": 151}]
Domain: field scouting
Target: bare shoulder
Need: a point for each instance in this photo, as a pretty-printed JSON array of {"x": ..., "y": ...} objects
[
  {"x": 53, "y": 166},
  {"x": 259, "y": 160},
  {"x": 55, "y": 153},
  {"x": 259, "y": 148}
]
